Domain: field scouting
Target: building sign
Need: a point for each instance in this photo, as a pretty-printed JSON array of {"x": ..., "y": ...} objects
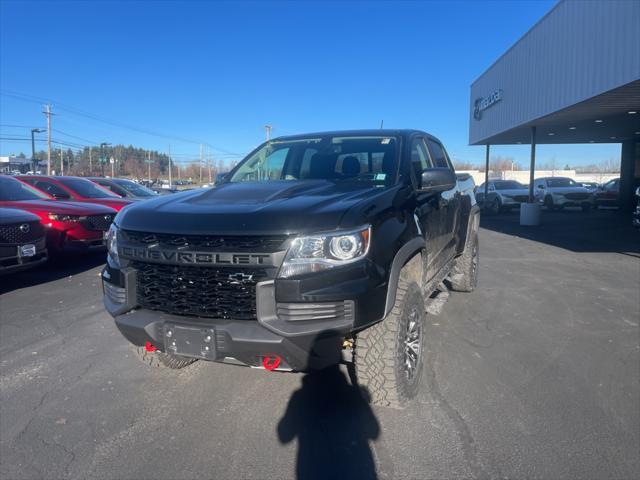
[{"x": 481, "y": 104}]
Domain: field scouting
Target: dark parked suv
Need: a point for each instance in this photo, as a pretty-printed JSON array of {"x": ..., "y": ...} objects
[
  {"x": 22, "y": 240},
  {"x": 312, "y": 241}
]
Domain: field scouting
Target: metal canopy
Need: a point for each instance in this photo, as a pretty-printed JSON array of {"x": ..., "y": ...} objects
[{"x": 578, "y": 123}]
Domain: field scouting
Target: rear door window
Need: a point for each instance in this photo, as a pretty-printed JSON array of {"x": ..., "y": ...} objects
[
  {"x": 438, "y": 153},
  {"x": 420, "y": 158}
]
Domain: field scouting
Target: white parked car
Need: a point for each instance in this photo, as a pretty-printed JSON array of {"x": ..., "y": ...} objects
[
  {"x": 502, "y": 195},
  {"x": 559, "y": 192}
]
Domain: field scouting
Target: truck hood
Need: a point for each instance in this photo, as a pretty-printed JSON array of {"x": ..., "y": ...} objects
[{"x": 275, "y": 207}]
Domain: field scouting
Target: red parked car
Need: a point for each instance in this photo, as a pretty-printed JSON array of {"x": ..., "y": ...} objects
[
  {"x": 77, "y": 189},
  {"x": 608, "y": 195},
  {"x": 70, "y": 226}
]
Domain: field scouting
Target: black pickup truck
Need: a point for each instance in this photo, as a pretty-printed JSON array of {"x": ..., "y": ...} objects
[{"x": 312, "y": 241}]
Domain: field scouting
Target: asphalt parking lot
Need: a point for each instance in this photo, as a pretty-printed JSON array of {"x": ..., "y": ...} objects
[{"x": 534, "y": 375}]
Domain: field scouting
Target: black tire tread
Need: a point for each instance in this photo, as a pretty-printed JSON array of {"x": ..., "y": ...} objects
[{"x": 374, "y": 355}]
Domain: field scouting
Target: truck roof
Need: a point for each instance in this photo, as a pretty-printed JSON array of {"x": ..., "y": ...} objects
[{"x": 382, "y": 132}]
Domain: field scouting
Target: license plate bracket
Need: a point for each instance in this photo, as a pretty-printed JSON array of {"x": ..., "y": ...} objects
[
  {"x": 190, "y": 341},
  {"x": 28, "y": 250}
]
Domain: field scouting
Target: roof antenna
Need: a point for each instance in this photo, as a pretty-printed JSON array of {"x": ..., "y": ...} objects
[{"x": 381, "y": 123}]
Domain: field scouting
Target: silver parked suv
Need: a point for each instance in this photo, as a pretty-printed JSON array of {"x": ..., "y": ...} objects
[
  {"x": 559, "y": 192},
  {"x": 502, "y": 195}
]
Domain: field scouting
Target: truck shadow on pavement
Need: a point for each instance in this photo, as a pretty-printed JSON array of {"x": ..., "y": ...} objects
[
  {"x": 333, "y": 422},
  {"x": 55, "y": 268}
]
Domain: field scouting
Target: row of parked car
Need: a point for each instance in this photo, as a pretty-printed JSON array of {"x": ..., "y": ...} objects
[
  {"x": 554, "y": 193},
  {"x": 42, "y": 215}
]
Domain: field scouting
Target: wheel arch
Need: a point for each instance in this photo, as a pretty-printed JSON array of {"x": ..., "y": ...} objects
[{"x": 409, "y": 254}]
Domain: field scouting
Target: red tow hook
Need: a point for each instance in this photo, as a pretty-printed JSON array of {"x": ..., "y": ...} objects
[
  {"x": 149, "y": 347},
  {"x": 271, "y": 362}
]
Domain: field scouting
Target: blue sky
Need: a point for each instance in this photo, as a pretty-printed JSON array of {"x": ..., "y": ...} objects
[{"x": 217, "y": 72}]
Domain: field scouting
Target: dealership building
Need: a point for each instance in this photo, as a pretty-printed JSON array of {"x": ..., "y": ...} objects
[{"x": 574, "y": 77}]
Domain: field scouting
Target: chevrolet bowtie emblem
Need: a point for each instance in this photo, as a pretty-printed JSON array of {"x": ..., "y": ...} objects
[{"x": 240, "y": 277}]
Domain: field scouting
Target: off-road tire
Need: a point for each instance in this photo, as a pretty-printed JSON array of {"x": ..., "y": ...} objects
[
  {"x": 379, "y": 351},
  {"x": 158, "y": 359},
  {"x": 465, "y": 273}
]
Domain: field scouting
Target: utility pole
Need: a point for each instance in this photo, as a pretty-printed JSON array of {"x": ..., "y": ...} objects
[
  {"x": 90, "y": 164},
  {"x": 48, "y": 114},
  {"x": 61, "y": 162},
  {"x": 200, "y": 164},
  {"x": 267, "y": 129},
  {"x": 209, "y": 164},
  {"x": 170, "y": 180}
]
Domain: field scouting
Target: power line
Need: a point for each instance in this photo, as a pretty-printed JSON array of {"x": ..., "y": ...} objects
[
  {"x": 91, "y": 142},
  {"x": 18, "y": 126},
  {"x": 57, "y": 142},
  {"x": 84, "y": 113}
]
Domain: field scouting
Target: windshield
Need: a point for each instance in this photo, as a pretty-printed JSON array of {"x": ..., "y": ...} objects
[
  {"x": 12, "y": 190},
  {"x": 86, "y": 188},
  {"x": 367, "y": 160},
  {"x": 135, "y": 189},
  {"x": 561, "y": 182},
  {"x": 508, "y": 185}
]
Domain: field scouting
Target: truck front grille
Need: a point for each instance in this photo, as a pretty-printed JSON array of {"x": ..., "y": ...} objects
[
  {"x": 222, "y": 293},
  {"x": 261, "y": 244},
  {"x": 20, "y": 233}
]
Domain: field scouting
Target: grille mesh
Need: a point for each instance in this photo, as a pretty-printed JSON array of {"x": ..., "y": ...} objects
[
  {"x": 198, "y": 291},
  {"x": 254, "y": 244},
  {"x": 12, "y": 235},
  {"x": 576, "y": 196},
  {"x": 97, "y": 222}
]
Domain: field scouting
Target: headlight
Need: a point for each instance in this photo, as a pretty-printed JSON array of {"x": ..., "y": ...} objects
[
  {"x": 111, "y": 238},
  {"x": 313, "y": 253},
  {"x": 59, "y": 217}
]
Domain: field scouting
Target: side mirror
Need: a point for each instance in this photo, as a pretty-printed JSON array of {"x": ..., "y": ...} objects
[
  {"x": 541, "y": 186},
  {"x": 221, "y": 178},
  {"x": 437, "y": 180}
]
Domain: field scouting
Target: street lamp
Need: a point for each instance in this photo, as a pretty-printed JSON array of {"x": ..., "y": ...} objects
[
  {"x": 33, "y": 147},
  {"x": 102, "y": 159}
]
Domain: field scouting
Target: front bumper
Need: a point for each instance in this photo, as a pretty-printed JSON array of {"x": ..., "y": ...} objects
[
  {"x": 561, "y": 200},
  {"x": 72, "y": 246},
  {"x": 297, "y": 320},
  {"x": 75, "y": 240},
  {"x": 11, "y": 261}
]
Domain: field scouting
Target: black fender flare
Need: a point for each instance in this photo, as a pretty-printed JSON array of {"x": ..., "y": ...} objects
[{"x": 406, "y": 252}]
